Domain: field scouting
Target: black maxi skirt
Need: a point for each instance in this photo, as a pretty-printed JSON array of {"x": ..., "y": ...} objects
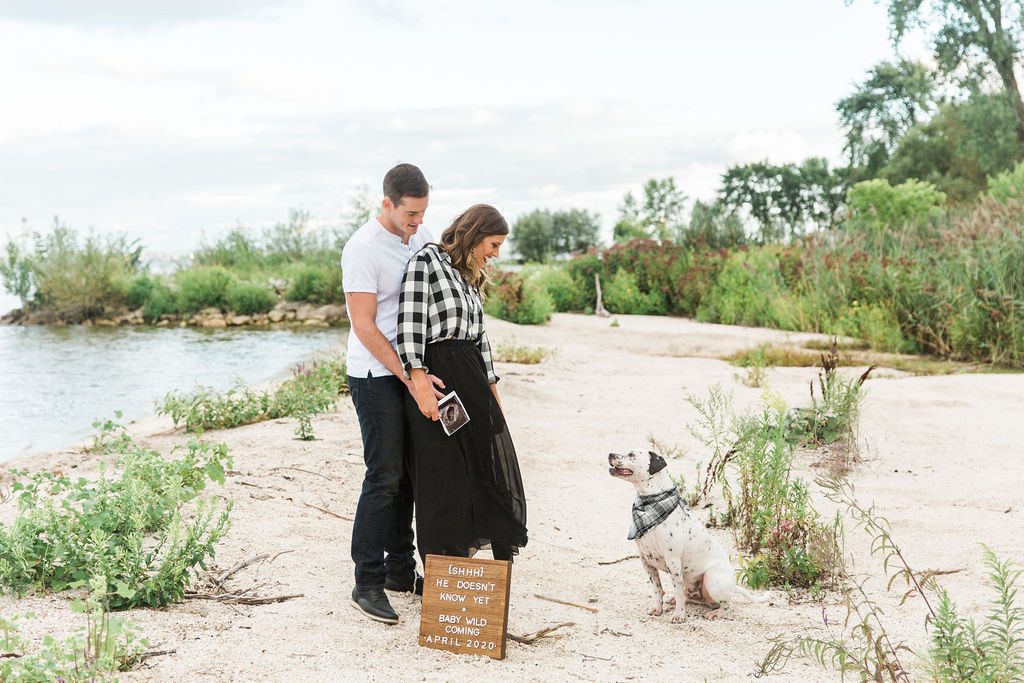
[{"x": 468, "y": 489}]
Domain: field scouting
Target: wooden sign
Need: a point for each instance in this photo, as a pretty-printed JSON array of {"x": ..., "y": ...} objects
[{"x": 465, "y": 605}]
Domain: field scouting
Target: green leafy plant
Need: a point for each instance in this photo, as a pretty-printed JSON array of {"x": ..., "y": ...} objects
[
  {"x": 519, "y": 301},
  {"x": 960, "y": 649},
  {"x": 245, "y": 298},
  {"x": 103, "y": 646},
  {"x": 964, "y": 650},
  {"x": 204, "y": 287},
  {"x": 754, "y": 364},
  {"x": 130, "y": 526},
  {"x": 834, "y": 412},
  {"x": 311, "y": 390},
  {"x": 768, "y": 508}
]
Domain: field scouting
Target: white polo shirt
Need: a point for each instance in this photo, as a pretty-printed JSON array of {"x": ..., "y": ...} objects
[{"x": 374, "y": 261}]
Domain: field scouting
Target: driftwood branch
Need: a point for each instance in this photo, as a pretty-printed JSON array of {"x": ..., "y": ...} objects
[
  {"x": 299, "y": 469},
  {"x": 621, "y": 559},
  {"x": 327, "y": 512},
  {"x": 155, "y": 653},
  {"x": 531, "y": 638},
  {"x": 563, "y": 602},
  {"x": 235, "y": 599},
  {"x": 238, "y": 567},
  {"x": 599, "y": 308}
]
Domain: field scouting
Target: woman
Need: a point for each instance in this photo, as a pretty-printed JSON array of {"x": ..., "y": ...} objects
[{"x": 468, "y": 490}]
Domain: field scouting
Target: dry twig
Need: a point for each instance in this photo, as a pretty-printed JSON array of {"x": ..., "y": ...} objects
[
  {"x": 299, "y": 469},
  {"x": 531, "y": 638},
  {"x": 238, "y": 567},
  {"x": 327, "y": 512},
  {"x": 621, "y": 559},
  {"x": 563, "y": 602}
]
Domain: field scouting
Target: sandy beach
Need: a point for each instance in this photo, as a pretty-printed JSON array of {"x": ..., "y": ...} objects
[{"x": 943, "y": 462}]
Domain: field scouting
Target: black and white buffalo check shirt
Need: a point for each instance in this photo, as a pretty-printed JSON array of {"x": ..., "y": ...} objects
[{"x": 436, "y": 305}]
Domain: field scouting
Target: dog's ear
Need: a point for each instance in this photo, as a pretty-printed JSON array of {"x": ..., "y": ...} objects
[{"x": 657, "y": 463}]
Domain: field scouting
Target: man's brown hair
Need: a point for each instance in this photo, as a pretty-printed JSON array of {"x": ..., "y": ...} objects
[{"x": 405, "y": 180}]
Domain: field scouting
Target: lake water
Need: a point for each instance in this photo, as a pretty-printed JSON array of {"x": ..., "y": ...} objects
[{"x": 54, "y": 381}]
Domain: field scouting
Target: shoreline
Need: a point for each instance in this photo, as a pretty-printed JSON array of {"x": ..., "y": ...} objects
[
  {"x": 139, "y": 424},
  {"x": 935, "y": 444}
]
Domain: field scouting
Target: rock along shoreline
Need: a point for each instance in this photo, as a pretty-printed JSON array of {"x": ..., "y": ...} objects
[{"x": 284, "y": 313}]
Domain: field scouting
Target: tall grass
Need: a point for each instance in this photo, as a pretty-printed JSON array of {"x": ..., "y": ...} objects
[
  {"x": 74, "y": 277},
  {"x": 951, "y": 286}
]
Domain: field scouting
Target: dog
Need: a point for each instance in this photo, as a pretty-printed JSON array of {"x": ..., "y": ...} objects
[{"x": 672, "y": 540}]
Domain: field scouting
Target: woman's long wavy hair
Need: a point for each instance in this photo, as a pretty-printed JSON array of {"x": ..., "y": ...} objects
[{"x": 465, "y": 233}]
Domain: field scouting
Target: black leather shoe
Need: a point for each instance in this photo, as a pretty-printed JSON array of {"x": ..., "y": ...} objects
[
  {"x": 374, "y": 603},
  {"x": 413, "y": 585}
]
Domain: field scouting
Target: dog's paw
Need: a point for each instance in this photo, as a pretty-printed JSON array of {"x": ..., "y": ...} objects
[
  {"x": 679, "y": 617},
  {"x": 670, "y": 601},
  {"x": 656, "y": 610},
  {"x": 713, "y": 614}
]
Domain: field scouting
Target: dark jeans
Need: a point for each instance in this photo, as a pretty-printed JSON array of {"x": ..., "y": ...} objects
[{"x": 383, "y": 521}]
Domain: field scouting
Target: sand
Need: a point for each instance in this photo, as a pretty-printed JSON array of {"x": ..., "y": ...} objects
[{"x": 943, "y": 463}]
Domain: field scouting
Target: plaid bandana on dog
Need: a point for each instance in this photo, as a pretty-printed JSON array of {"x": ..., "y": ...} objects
[{"x": 650, "y": 511}]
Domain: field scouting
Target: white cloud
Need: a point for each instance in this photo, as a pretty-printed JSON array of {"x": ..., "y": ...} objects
[{"x": 216, "y": 113}]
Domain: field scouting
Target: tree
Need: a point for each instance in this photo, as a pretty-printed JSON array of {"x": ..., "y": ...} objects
[
  {"x": 575, "y": 230},
  {"x": 881, "y": 109},
  {"x": 543, "y": 234},
  {"x": 979, "y": 35},
  {"x": 659, "y": 218},
  {"x": 784, "y": 199},
  {"x": 534, "y": 236},
  {"x": 959, "y": 148},
  {"x": 712, "y": 226}
]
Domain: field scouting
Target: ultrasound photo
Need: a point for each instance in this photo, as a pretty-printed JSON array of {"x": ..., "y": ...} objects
[{"x": 452, "y": 413}]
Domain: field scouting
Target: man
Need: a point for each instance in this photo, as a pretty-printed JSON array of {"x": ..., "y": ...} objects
[{"x": 373, "y": 263}]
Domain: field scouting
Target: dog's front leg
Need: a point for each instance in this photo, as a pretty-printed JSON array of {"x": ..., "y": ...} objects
[
  {"x": 657, "y": 593},
  {"x": 678, "y": 572}
]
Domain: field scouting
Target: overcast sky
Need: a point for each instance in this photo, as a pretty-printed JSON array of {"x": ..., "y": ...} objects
[{"x": 175, "y": 119}]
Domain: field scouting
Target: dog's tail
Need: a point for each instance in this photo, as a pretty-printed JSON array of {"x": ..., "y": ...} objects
[{"x": 751, "y": 596}]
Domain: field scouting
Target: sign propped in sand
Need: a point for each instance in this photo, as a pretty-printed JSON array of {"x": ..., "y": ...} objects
[{"x": 465, "y": 605}]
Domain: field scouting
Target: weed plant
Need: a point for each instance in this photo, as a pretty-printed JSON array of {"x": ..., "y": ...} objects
[
  {"x": 75, "y": 278},
  {"x": 767, "y": 507},
  {"x": 520, "y": 353},
  {"x": 131, "y": 526},
  {"x": 311, "y": 390},
  {"x": 754, "y": 364},
  {"x": 834, "y": 413},
  {"x": 105, "y": 645},
  {"x": 959, "y": 649}
]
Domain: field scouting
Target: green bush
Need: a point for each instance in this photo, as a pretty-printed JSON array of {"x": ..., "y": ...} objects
[
  {"x": 655, "y": 265},
  {"x": 76, "y": 279},
  {"x": 128, "y": 527},
  {"x": 874, "y": 323},
  {"x": 316, "y": 284},
  {"x": 1008, "y": 184},
  {"x": 153, "y": 295},
  {"x": 564, "y": 291},
  {"x": 622, "y": 295},
  {"x": 769, "y": 509},
  {"x": 749, "y": 290},
  {"x": 105, "y": 645},
  {"x": 203, "y": 287},
  {"x": 582, "y": 270},
  {"x": 512, "y": 298},
  {"x": 311, "y": 390},
  {"x": 245, "y": 298},
  {"x": 881, "y": 205}
]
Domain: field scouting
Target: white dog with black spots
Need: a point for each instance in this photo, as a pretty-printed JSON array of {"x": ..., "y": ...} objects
[{"x": 672, "y": 540}]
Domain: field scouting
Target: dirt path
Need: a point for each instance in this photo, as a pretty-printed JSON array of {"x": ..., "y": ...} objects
[{"x": 945, "y": 466}]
